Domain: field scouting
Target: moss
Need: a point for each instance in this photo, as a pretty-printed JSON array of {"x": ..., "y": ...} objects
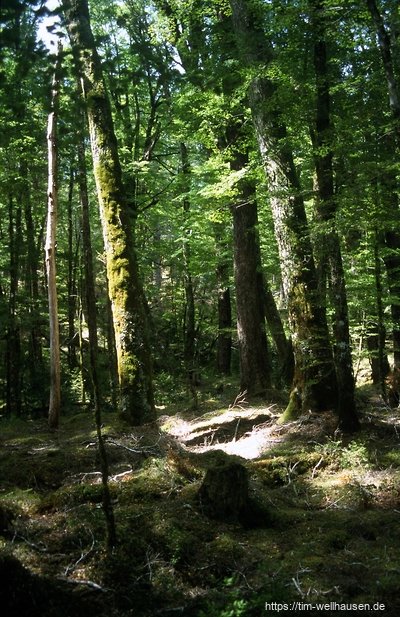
[
  {"x": 71, "y": 496},
  {"x": 293, "y": 409},
  {"x": 280, "y": 470}
]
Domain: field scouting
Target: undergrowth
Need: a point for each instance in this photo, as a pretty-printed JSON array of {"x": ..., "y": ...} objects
[{"x": 332, "y": 534}]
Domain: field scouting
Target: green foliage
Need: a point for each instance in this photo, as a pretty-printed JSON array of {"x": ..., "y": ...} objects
[{"x": 354, "y": 455}]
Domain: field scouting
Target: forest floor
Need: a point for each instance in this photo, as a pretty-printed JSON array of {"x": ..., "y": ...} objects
[{"x": 331, "y": 533}]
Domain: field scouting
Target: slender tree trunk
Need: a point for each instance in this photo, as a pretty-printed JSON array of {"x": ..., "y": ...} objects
[
  {"x": 224, "y": 340},
  {"x": 392, "y": 265},
  {"x": 112, "y": 356},
  {"x": 125, "y": 290},
  {"x": 13, "y": 342},
  {"x": 50, "y": 252},
  {"x": 93, "y": 343},
  {"x": 377, "y": 332},
  {"x": 326, "y": 211},
  {"x": 36, "y": 368},
  {"x": 189, "y": 336},
  {"x": 314, "y": 385},
  {"x": 72, "y": 290}
]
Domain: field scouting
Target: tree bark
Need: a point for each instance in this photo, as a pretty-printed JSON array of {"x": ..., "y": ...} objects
[
  {"x": 72, "y": 288},
  {"x": 255, "y": 367},
  {"x": 326, "y": 207},
  {"x": 390, "y": 181},
  {"x": 282, "y": 344},
  {"x": 50, "y": 252},
  {"x": 126, "y": 294},
  {"x": 111, "y": 539},
  {"x": 189, "y": 335},
  {"x": 36, "y": 368},
  {"x": 13, "y": 338},
  {"x": 314, "y": 385},
  {"x": 385, "y": 49},
  {"x": 224, "y": 339}
]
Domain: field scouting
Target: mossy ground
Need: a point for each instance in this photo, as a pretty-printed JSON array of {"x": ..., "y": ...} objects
[{"x": 332, "y": 535}]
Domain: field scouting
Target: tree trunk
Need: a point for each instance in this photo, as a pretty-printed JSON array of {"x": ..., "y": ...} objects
[
  {"x": 125, "y": 290},
  {"x": 282, "y": 344},
  {"x": 93, "y": 343},
  {"x": 189, "y": 335},
  {"x": 50, "y": 252},
  {"x": 385, "y": 49},
  {"x": 314, "y": 385},
  {"x": 255, "y": 368},
  {"x": 36, "y": 368},
  {"x": 390, "y": 180},
  {"x": 72, "y": 290},
  {"x": 392, "y": 265},
  {"x": 326, "y": 211},
  {"x": 224, "y": 339},
  {"x": 13, "y": 342},
  {"x": 377, "y": 332}
]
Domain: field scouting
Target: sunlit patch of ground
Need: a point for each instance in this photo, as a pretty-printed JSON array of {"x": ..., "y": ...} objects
[{"x": 245, "y": 432}]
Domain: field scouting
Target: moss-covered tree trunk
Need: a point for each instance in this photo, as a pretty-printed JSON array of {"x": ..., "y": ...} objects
[
  {"x": 125, "y": 290},
  {"x": 314, "y": 384}
]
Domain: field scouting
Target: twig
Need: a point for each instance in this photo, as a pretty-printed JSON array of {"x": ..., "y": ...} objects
[
  {"x": 144, "y": 450},
  {"x": 121, "y": 475},
  {"x": 239, "y": 401},
  {"x": 72, "y": 567},
  {"x": 77, "y": 581},
  {"x": 314, "y": 471},
  {"x": 236, "y": 430}
]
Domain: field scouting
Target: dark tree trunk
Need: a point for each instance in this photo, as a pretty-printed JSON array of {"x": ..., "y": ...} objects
[
  {"x": 282, "y": 344},
  {"x": 392, "y": 265},
  {"x": 255, "y": 368},
  {"x": 326, "y": 207},
  {"x": 71, "y": 283},
  {"x": 36, "y": 368},
  {"x": 376, "y": 336},
  {"x": 189, "y": 335},
  {"x": 390, "y": 181}
]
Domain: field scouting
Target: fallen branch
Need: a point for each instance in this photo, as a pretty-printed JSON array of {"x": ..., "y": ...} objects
[
  {"x": 144, "y": 450},
  {"x": 78, "y": 581}
]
